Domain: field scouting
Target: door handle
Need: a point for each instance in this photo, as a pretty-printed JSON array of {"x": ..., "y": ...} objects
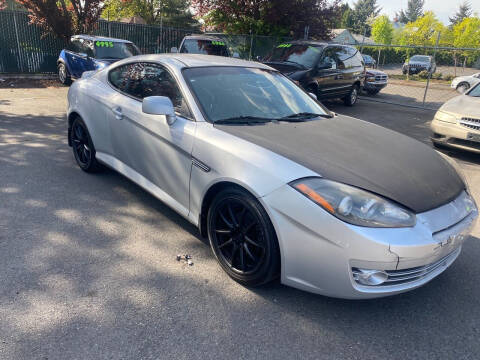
[
  {"x": 118, "y": 113},
  {"x": 339, "y": 77}
]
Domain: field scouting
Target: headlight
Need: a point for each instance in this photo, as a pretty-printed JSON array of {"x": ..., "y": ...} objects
[
  {"x": 444, "y": 116},
  {"x": 370, "y": 79},
  {"x": 353, "y": 205}
]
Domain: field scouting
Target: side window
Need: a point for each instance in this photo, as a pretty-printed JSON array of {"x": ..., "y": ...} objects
[
  {"x": 88, "y": 48},
  {"x": 75, "y": 45},
  {"x": 329, "y": 57},
  {"x": 144, "y": 79}
]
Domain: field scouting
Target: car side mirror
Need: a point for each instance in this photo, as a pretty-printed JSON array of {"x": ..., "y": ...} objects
[
  {"x": 159, "y": 105},
  {"x": 174, "y": 50},
  {"x": 236, "y": 55},
  {"x": 258, "y": 58}
]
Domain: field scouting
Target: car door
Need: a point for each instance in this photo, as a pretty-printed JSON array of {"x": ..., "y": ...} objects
[
  {"x": 160, "y": 153},
  {"x": 327, "y": 75}
]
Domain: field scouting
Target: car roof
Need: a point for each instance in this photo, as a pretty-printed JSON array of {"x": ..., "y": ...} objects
[
  {"x": 195, "y": 60},
  {"x": 308, "y": 42},
  {"x": 99, "y": 38},
  {"x": 202, "y": 37}
]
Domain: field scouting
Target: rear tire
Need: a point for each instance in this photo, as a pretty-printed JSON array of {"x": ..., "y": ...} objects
[
  {"x": 83, "y": 149},
  {"x": 63, "y": 75},
  {"x": 352, "y": 97},
  {"x": 242, "y": 238}
]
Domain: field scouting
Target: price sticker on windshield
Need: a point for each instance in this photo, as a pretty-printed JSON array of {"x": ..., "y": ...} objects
[
  {"x": 284, "y": 45},
  {"x": 104, "y": 44},
  {"x": 218, "y": 43}
]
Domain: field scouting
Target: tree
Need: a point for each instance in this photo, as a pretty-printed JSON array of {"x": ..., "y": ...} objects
[
  {"x": 270, "y": 17},
  {"x": 464, "y": 11},
  {"x": 382, "y": 30},
  {"x": 64, "y": 18},
  {"x": 363, "y": 11},
  {"x": 424, "y": 31},
  {"x": 413, "y": 12},
  {"x": 170, "y": 11},
  {"x": 466, "y": 34},
  {"x": 2, "y": 4}
]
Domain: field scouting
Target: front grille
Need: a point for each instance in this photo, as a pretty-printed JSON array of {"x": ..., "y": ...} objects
[
  {"x": 381, "y": 78},
  {"x": 470, "y": 123},
  {"x": 398, "y": 277}
]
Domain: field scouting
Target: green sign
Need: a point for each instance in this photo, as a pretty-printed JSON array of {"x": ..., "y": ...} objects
[
  {"x": 218, "y": 43},
  {"x": 104, "y": 44},
  {"x": 284, "y": 45}
]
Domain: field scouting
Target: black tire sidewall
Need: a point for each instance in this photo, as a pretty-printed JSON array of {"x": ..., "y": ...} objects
[
  {"x": 92, "y": 165},
  {"x": 270, "y": 267},
  {"x": 67, "y": 80}
]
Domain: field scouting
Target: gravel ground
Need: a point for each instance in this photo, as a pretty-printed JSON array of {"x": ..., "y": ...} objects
[{"x": 88, "y": 269}]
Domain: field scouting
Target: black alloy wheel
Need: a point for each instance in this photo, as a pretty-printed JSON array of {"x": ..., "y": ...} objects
[
  {"x": 242, "y": 238},
  {"x": 82, "y": 145}
]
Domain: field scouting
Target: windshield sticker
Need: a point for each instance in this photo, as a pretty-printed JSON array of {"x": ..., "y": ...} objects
[
  {"x": 284, "y": 45},
  {"x": 218, "y": 43},
  {"x": 104, "y": 44},
  {"x": 314, "y": 48}
]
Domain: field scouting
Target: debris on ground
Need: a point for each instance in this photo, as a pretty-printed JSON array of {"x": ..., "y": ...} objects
[{"x": 186, "y": 259}]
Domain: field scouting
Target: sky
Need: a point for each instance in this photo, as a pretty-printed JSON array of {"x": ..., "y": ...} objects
[{"x": 442, "y": 8}]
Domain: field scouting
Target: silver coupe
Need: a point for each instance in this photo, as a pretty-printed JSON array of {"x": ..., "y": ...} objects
[{"x": 282, "y": 187}]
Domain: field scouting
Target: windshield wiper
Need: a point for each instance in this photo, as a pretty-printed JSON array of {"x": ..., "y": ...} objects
[
  {"x": 302, "y": 116},
  {"x": 244, "y": 120}
]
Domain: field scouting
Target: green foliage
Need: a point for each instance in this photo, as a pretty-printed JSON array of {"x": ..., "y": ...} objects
[
  {"x": 382, "y": 30},
  {"x": 423, "y": 74},
  {"x": 467, "y": 33},
  {"x": 364, "y": 11},
  {"x": 413, "y": 12},
  {"x": 464, "y": 11},
  {"x": 424, "y": 31},
  {"x": 174, "y": 12},
  {"x": 437, "y": 76},
  {"x": 448, "y": 77}
]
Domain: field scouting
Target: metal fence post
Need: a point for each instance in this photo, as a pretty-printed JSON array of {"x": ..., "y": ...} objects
[
  {"x": 430, "y": 72},
  {"x": 20, "y": 57}
]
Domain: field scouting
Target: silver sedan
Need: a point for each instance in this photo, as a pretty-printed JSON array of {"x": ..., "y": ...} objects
[{"x": 281, "y": 187}]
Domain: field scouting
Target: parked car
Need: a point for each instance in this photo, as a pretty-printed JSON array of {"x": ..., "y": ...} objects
[
  {"x": 326, "y": 70},
  {"x": 87, "y": 53},
  {"x": 204, "y": 44},
  {"x": 369, "y": 61},
  {"x": 463, "y": 83},
  {"x": 457, "y": 122},
  {"x": 419, "y": 63},
  {"x": 375, "y": 80},
  {"x": 281, "y": 186}
]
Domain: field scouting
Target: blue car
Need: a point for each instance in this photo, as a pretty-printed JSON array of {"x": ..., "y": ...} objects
[{"x": 87, "y": 53}]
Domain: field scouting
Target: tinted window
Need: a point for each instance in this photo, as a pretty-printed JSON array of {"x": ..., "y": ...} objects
[
  {"x": 229, "y": 92},
  {"x": 329, "y": 57},
  {"x": 305, "y": 55},
  {"x": 420, "y": 58},
  {"x": 144, "y": 79},
  {"x": 114, "y": 50},
  {"x": 205, "y": 47},
  {"x": 348, "y": 57},
  {"x": 475, "y": 92},
  {"x": 75, "y": 46}
]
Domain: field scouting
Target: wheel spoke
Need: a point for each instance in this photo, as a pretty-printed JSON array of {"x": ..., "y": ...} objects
[
  {"x": 228, "y": 223},
  {"x": 249, "y": 226},
  {"x": 254, "y": 243},
  {"x": 234, "y": 252},
  {"x": 249, "y": 253},
  {"x": 242, "y": 260},
  {"x": 241, "y": 216},
  {"x": 223, "y": 231},
  {"x": 229, "y": 241},
  {"x": 232, "y": 215}
]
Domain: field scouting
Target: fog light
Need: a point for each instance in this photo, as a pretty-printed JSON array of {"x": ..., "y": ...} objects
[{"x": 370, "y": 277}]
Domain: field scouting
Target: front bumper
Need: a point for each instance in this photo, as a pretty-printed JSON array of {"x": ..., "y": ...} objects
[
  {"x": 454, "y": 135},
  {"x": 319, "y": 253},
  {"x": 377, "y": 85}
]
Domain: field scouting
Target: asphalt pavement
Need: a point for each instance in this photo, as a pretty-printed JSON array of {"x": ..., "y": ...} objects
[{"x": 88, "y": 268}]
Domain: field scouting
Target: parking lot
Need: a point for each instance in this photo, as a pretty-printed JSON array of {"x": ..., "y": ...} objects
[{"x": 88, "y": 268}]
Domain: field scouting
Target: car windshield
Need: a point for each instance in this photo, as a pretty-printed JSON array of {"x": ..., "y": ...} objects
[
  {"x": 114, "y": 50},
  {"x": 305, "y": 55},
  {"x": 367, "y": 57},
  {"x": 229, "y": 94},
  {"x": 475, "y": 92},
  {"x": 420, "y": 58},
  {"x": 206, "y": 47}
]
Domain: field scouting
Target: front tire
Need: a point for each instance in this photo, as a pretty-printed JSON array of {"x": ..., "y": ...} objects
[
  {"x": 463, "y": 87},
  {"x": 242, "y": 238},
  {"x": 63, "y": 75},
  {"x": 352, "y": 97},
  {"x": 83, "y": 149}
]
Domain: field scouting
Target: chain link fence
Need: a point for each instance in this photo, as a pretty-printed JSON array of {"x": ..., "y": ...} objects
[
  {"x": 422, "y": 76},
  {"x": 24, "y": 49}
]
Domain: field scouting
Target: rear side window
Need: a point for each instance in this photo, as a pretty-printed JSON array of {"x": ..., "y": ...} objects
[{"x": 348, "y": 57}]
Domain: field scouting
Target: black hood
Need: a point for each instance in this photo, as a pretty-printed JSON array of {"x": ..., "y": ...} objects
[
  {"x": 364, "y": 155},
  {"x": 285, "y": 67}
]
